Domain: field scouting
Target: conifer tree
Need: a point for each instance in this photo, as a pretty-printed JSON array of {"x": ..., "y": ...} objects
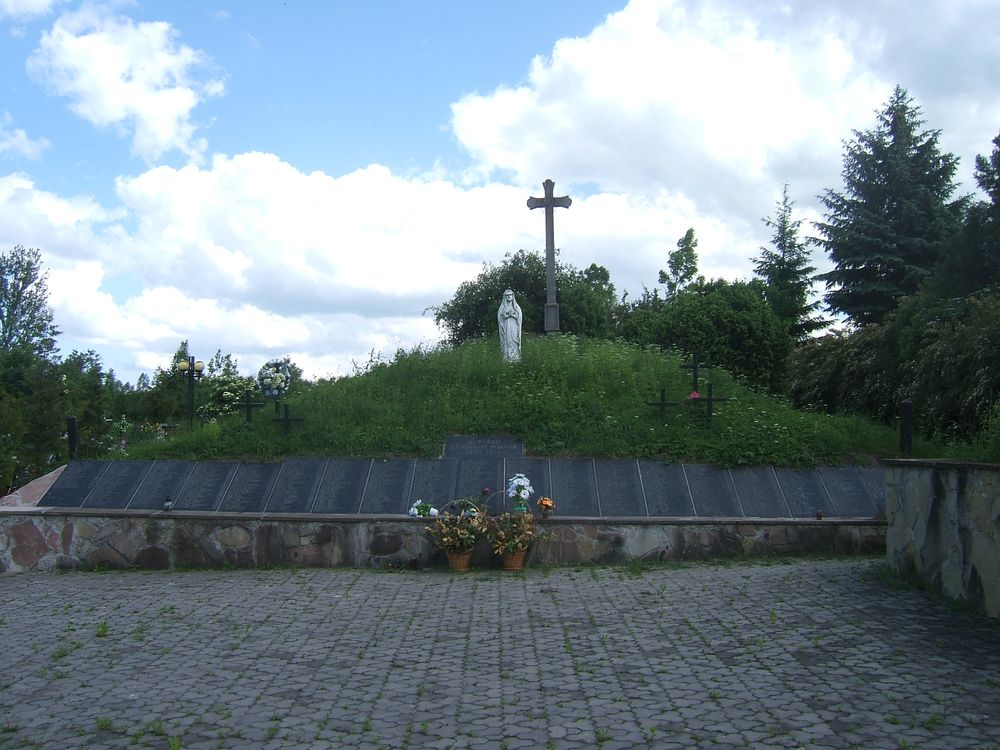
[
  {"x": 885, "y": 231},
  {"x": 786, "y": 272}
]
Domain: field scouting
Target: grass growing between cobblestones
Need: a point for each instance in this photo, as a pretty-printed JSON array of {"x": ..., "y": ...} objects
[{"x": 566, "y": 398}]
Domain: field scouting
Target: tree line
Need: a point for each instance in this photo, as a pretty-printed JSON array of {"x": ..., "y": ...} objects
[{"x": 39, "y": 388}]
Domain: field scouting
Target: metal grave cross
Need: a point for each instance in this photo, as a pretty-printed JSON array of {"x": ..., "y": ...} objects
[
  {"x": 549, "y": 203},
  {"x": 709, "y": 399},
  {"x": 286, "y": 421},
  {"x": 693, "y": 366},
  {"x": 247, "y": 405}
]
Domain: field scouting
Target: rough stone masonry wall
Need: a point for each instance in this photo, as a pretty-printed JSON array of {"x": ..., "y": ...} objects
[
  {"x": 944, "y": 528},
  {"x": 46, "y": 539}
]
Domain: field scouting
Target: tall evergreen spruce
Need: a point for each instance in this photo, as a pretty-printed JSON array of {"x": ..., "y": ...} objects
[
  {"x": 786, "y": 272},
  {"x": 886, "y": 231}
]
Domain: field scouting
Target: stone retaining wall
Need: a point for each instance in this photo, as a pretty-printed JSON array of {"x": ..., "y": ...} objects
[
  {"x": 944, "y": 528},
  {"x": 46, "y": 539}
]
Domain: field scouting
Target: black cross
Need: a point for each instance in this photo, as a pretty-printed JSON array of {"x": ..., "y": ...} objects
[
  {"x": 249, "y": 405},
  {"x": 287, "y": 420},
  {"x": 549, "y": 203},
  {"x": 693, "y": 367},
  {"x": 709, "y": 400},
  {"x": 662, "y": 403}
]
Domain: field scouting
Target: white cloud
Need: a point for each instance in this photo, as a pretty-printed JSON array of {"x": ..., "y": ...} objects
[
  {"x": 253, "y": 226},
  {"x": 133, "y": 76},
  {"x": 24, "y": 9},
  {"x": 697, "y": 98},
  {"x": 17, "y": 141},
  {"x": 68, "y": 227}
]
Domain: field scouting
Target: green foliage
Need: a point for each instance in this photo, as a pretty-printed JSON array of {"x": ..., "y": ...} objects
[
  {"x": 944, "y": 355},
  {"x": 972, "y": 258},
  {"x": 729, "y": 324},
  {"x": 682, "y": 264},
  {"x": 786, "y": 272},
  {"x": 221, "y": 390},
  {"x": 586, "y": 299},
  {"x": 568, "y": 397},
  {"x": 885, "y": 232},
  {"x": 25, "y": 316}
]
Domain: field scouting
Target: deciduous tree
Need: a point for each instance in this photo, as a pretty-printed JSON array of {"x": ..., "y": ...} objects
[
  {"x": 25, "y": 315},
  {"x": 586, "y": 298},
  {"x": 682, "y": 264}
]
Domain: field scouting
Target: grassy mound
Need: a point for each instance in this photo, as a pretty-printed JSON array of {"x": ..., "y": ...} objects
[{"x": 566, "y": 398}]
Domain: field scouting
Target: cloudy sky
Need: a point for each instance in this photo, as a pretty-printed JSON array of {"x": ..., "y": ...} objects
[{"x": 271, "y": 177}]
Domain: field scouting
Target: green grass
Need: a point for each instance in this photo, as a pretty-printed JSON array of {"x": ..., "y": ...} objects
[{"x": 566, "y": 398}]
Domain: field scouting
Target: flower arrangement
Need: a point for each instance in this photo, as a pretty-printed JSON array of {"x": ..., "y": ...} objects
[
  {"x": 510, "y": 532},
  {"x": 422, "y": 509},
  {"x": 519, "y": 489},
  {"x": 274, "y": 378},
  {"x": 546, "y": 505},
  {"x": 458, "y": 532}
]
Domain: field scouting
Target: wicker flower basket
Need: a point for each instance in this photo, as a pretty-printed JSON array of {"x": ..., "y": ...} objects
[
  {"x": 514, "y": 560},
  {"x": 459, "y": 561}
]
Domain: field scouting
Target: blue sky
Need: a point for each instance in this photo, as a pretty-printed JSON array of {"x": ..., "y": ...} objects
[{"x": 306, "y": 178}]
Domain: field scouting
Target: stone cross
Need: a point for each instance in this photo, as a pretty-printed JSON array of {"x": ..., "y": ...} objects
[{"x": 549, "y": 203}]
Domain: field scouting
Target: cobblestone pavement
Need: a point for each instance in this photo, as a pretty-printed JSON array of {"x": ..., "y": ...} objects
[{"x": 806, "y": 654}]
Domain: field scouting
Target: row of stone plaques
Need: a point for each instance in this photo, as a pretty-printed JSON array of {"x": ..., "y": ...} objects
[{"x": 580, "y": 487}]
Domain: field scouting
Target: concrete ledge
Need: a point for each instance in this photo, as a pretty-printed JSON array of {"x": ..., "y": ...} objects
[{"x": 59, "y": 538}]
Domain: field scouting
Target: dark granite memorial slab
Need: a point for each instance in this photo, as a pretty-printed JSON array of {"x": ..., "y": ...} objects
[
  {"x": 74, "y": 484},
  {"x": 206, "y": 485},
  {"x": 250, "y": 488},
  {"x": 759, "y": 493},
  {"x": 477, "y": 474},
  {"x": 433, "y": 482},
  {"x": 117, "y": 485},
  {"x": 388, "y": 487},
  {"x": 619, "y": 487},
  {"x": 343, "y": 486},
  {"x": 574, "y": 487},
  {"x": 295, "y": 486},
  {"x": 163, "y": 481},
  {"x": 804, "y": 492},
  {"x": 666, "y": 489},
  {"x": 712, "y": 491},
  {"x": 850, "y": 493},
  {"x": 874, "y": 477},
  {"x": 538, "y": 472},
  {"x": 485, "y": 446}
]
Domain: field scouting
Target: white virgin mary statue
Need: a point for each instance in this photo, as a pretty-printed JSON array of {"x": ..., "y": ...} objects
[{"x": 509, "y": 322}]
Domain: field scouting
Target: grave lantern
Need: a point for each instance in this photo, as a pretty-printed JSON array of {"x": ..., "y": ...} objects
[{"x": 192, "y": 369}]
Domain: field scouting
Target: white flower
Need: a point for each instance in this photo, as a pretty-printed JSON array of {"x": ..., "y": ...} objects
[
  {"x": 434, "y": 512},
  {"x": 519, "y": 486}
]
